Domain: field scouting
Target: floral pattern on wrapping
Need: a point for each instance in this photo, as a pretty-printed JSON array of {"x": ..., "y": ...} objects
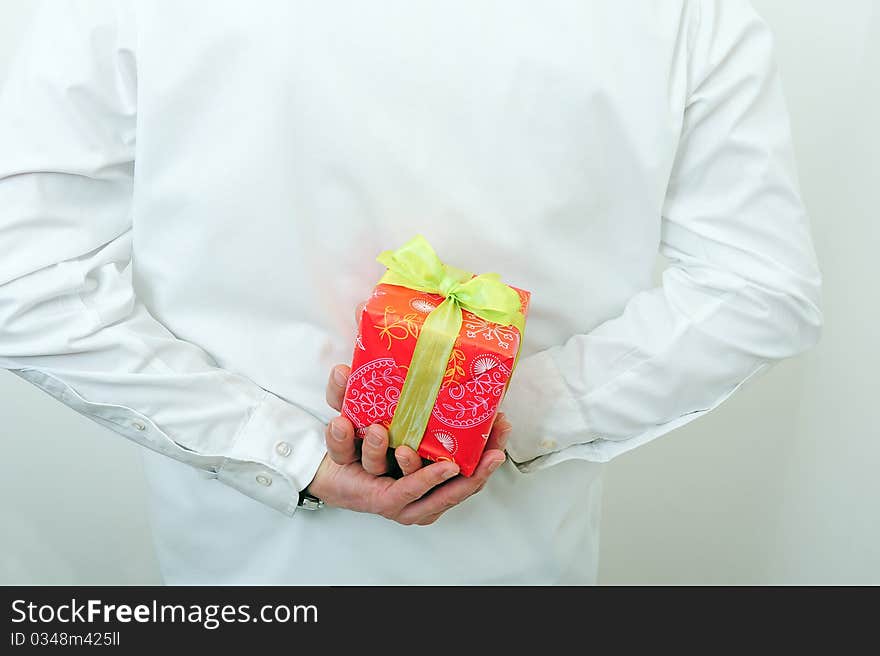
[
  {"x": 455, "y": 367},
  {"x": 475, "y": 327},
  {"x": 398, "y": 328},
  {"x": 422, "y": 305},
  {"x": 468, "y": 403},
  {"x": 447, "y": 441},
  {"x": 373, "y": 392}
]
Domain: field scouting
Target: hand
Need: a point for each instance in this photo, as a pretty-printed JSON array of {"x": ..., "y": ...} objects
[
  {"x": 356, "y": 481},
  {"x": 373, "y": 449}
]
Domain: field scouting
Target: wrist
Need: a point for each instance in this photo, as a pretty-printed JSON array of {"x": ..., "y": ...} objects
[
  {"x": 314, "y": 486},
  {"x": 309, "y": 497}
]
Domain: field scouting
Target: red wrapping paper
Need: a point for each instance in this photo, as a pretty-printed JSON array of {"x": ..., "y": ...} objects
[{"x": 476, "y": 377}]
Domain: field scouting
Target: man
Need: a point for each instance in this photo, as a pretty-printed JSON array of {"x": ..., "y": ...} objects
[{"x": 190, "y": 207}]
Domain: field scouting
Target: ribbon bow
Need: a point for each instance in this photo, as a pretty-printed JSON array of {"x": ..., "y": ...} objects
[{"x": 415, "y": 265}]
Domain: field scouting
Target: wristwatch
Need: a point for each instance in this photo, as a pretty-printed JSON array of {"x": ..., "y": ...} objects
[{"x": 309, "y": 501}]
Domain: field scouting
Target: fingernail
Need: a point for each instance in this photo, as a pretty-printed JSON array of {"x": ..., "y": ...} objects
[
  {"x": 402, "y": 460},
  {"x": 449, "y": 473},
  {"x": 339, "y": 377},
  {"x": 494, "y": 465},
  {"x": 337, "y": 431},
  {"x": 375, "y": 440}
]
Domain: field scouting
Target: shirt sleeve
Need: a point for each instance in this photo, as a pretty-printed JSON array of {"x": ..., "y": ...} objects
[
  {"x": 70, "y": 321},
  {"x": 743, "y": 287}
]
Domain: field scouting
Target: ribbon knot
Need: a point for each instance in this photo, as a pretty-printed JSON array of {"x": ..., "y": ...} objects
[
  {"x": 448, "y": 286},
  {"x": 415, "y": 265}
]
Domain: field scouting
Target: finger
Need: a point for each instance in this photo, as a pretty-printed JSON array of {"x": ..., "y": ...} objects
[
  {"x": 453, "y": 493},
  {"x": 374, "y": 451},
  {"x": 409, "y": 489},
  {"x": 408, "y": 460},
  {"x": 499, "y": 433},
  {"x": 339, "y": 436},
  {"x": 336, "y": 385}
]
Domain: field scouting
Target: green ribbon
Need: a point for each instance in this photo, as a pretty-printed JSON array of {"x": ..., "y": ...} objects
[{"x": 415, "y": 265}]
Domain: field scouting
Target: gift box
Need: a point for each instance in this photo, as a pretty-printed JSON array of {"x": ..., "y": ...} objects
[{"x": 435, "y": 349}]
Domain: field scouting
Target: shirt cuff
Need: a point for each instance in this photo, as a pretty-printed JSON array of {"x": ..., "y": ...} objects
[
  {"x": 276, "y": 454},
  {"x": 542, "y": 410}
]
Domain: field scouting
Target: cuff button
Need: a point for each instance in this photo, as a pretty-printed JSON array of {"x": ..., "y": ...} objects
[
  {"x": 264, "y": 480},
  {"x": 283, "y": 449}
]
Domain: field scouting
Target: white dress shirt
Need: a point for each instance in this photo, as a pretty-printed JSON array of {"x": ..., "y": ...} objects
[{"x": 192, "y": 200}]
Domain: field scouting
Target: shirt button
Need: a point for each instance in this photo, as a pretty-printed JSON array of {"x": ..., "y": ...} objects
[
  {"x": 282, "y": 449},
  {"x": 547, "y": 443},
  {"x": 264, "y": 480},
  {"x": 138, "y": 425}
]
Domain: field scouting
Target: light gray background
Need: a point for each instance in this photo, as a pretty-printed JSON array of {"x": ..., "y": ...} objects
[{"x": 779, "y": 485}]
